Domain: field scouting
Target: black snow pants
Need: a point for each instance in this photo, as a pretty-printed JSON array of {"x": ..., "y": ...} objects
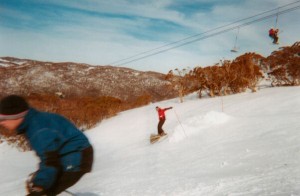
[
  {"x": 68, "y": 179},
  {"x": 159, "y": 126}
]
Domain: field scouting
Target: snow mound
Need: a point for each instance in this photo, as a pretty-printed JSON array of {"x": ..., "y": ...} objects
[{"x": 196, "y": 124}]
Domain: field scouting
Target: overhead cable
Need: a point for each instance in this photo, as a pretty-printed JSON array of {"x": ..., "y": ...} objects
[{"x": 196, "y": 37}]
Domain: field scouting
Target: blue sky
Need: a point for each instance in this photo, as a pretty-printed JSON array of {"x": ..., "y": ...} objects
[{"x": 101, "y": 32}]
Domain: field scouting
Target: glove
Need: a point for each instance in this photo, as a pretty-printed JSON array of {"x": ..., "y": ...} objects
[{"x": 32, "y": 189}]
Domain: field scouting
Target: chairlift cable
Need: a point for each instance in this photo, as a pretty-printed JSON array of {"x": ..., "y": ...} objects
[
  {"x": 121, "y": 60},
  {"x": 276, "y": 22},
  {"x": 209, "y": 35}
]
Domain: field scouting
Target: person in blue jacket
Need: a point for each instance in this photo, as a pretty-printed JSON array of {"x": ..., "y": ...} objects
[{"x": 65, "y": 152}]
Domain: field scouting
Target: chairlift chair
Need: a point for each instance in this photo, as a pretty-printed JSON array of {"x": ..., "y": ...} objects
[{"x": 235, "y": 48}]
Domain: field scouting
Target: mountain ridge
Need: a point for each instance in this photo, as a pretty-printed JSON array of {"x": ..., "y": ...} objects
[{"x": 25, "y": 76}]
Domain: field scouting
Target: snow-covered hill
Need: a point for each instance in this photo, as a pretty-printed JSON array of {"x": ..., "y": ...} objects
[
  {"x": 24, "y": 76},
  {"x": 251, "y": 148}
]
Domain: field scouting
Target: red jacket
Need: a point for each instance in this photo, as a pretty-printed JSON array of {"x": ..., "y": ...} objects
[{"x": 161, "y": 112}]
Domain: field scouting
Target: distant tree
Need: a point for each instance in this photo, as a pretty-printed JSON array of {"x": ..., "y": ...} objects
[
  {"x": 229, "y": 76},
  {"x": 198, "y": 75},
  {"x": 180, "y": 81},
  {"x": 284, "y": 66},
  {"x": 249, "y": 74},
  {"x": 214, "y": 82}
]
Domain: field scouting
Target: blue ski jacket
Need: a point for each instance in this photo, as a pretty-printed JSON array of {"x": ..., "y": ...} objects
[{"x": 56, "y": 141}]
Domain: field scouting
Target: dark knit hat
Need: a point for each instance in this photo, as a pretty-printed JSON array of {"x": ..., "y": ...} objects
[{"x": 13, "y": 107}]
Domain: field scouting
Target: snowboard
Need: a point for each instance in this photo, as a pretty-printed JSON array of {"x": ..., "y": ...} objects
[{"x": 155, "y": 138}]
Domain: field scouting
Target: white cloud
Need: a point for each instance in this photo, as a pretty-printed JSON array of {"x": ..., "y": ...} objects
[{"x": 102, "y": 32}]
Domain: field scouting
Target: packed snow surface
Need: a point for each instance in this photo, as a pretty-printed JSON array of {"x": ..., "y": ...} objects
[{"x": 244, "y": 144}]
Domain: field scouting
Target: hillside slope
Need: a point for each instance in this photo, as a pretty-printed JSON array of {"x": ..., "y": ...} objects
[{"x": 23, "y": 76}]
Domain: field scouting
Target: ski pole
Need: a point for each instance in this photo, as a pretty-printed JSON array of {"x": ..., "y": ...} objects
[{"x": 180, "y": 122}]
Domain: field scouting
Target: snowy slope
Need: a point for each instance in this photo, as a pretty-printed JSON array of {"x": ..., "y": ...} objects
[{"x": 251, "y": 148}]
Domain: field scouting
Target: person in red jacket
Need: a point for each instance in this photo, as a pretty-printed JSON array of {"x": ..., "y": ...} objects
[
  {"x": 162, "y": 119},
  {"x": 273, "y": 33}
]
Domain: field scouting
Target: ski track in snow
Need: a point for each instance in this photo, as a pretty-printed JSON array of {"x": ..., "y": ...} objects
[{"x": 251, "y": 148}]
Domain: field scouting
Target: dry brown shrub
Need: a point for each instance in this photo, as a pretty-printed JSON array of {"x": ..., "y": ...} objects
[
  {"x": 84, "y": 112},
  {"x": 181, "y": 81},
  {"x": 230, "y": 77},
  {"x": 141, "y": 100},
  {"x": 247, "y": 73},
  {"x": 197, "y": 75},
  {"x": 284, "y": 66}
]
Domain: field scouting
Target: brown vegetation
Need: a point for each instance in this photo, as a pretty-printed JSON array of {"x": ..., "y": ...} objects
[
  {"x": 284, "y": 66},
  {"x": 84, "y": 112},
  {"x": 180, "y": 82},
  {"x": 228, "y": 78}
]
